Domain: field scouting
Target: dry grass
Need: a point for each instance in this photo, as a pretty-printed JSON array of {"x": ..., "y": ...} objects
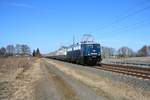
[
  {"x": 104, "y": 86},
  {"x": 129, "y": 60},
  {"x": 17, "y": 78}
]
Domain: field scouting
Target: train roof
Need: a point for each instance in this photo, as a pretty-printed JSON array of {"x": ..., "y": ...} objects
[
  {"x": 89, "y": 43},
  {"x": 83, "y": 43}
]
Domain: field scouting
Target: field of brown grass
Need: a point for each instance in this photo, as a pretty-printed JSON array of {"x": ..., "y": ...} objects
[
  {"x": 103, "y": 86},
  {"x": 140, "y": 61},
  {"x": 16, "y": 79}
]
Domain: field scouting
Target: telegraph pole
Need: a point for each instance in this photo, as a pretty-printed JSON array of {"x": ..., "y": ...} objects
[{"x": 73, "y": 39}]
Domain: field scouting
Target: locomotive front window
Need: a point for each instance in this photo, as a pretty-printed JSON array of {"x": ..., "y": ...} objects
[
  {"x": 96, "y": 46},
  {"x": 89, "y": 46},
  {"x": 92, "y": 46}
]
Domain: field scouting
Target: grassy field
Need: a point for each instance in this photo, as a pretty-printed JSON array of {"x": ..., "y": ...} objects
[
  {"x": 16, "y": 80},
  {"x": 103, "y": 86},
  {"x": 135, "y": 60},
  {"x": 22, "y": 79}
]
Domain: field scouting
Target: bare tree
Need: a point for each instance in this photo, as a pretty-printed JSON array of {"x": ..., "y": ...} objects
[
  {"x": 125, "y": 52},
  {"x": 107, "y": 52},
  {"x": 10, "y": 50},
  {"x": 112, "y": 51},
  {"x": 3, "y": 51},
  {"x": 25, "y": 49},
  {"x": 18, "y": 49},
  {"x": 144, "y": 51}
]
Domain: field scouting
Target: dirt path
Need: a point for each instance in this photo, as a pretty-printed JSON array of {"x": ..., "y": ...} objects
[
  {"x": 106, "y": 88},
  {"x": 56, "y": 85},
  {"x": 37, "y": 79},
  {"x": 53, "y": 87}
]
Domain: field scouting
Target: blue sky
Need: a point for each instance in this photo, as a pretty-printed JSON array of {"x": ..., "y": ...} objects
[{"x": 48, "y": 24}]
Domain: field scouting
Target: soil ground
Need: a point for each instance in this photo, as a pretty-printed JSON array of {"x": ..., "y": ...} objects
[
  {"x": 27, "y": 78},
  {"x": 35, "y": 79}
]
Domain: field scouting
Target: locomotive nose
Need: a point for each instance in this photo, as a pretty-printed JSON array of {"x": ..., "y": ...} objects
[{"x": 94, "y": 50}]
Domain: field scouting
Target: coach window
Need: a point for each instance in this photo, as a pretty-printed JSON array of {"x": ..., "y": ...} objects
[
  {"x": 69, "y": 49},
  {"x": 74, "y": 48},
  {"x": 79, "y": 47}
]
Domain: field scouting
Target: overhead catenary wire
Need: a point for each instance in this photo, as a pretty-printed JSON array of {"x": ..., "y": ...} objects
[
  {"x": 131, "y": 27},
  {"x": 136, "y": 24},
  {"x": 123, "y": 18}
]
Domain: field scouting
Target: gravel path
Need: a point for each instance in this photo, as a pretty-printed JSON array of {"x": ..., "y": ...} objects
[
  {"x": 46, "y": 90},
  {"x": 56, "y": 85},
  {"x": 104, "y": 82}
]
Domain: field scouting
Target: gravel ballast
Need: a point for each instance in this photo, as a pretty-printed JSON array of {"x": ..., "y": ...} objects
[
  {"x": 105, "y": 83},
  {"x": 133, "y": 81}
]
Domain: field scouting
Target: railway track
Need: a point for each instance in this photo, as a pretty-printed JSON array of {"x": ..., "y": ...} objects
[{"x": 142, "y": 73}]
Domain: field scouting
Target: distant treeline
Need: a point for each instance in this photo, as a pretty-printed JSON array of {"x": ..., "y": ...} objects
[
  {"x": 125, "y": 52},
  {"x": 18, "y": 50}
]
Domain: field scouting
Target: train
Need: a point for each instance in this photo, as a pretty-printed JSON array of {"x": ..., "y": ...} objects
[{"x": 84, "y": 53}]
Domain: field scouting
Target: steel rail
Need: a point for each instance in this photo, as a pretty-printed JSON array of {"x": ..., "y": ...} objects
[{"x": 128, "y": 70}]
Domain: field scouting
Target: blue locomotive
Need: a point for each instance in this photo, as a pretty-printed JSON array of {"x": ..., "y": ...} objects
[{"x": 86, "y": 53}]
